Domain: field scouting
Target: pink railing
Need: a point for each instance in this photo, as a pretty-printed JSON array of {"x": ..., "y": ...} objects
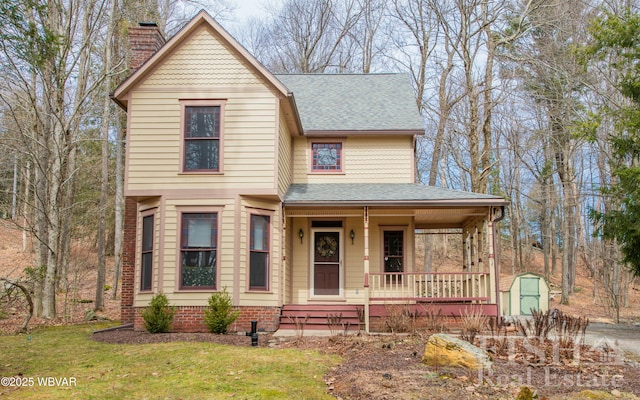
[{"x": 425, "y": 286}]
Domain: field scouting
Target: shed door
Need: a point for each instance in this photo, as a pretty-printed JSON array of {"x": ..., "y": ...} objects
[{"x": 529, "y": 295}]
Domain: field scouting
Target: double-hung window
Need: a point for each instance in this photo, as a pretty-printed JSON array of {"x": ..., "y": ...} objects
[
  {"x": 198, "y": 251},
  {"x": 202, "y": 136},
  {"x": 259, "y": 252},
  {"x": 146, "y": 267}
]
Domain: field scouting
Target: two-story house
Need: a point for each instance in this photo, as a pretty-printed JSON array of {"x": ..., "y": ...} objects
[{"x": 295, "y": 193}]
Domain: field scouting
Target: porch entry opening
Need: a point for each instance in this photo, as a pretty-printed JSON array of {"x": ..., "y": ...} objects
[
  {"x": 326, "y": 262},
  {"x": 529, "y": 295}
]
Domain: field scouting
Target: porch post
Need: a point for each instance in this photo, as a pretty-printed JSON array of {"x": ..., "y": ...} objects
[
  {"x": 492, "y": 264},
  {"x": 284, "y": 248},
  {"x": 492, "y": 261},
  {"x": 366, "y": 269}
]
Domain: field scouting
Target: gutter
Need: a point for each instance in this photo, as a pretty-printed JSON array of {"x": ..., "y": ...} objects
[
  {"x": 502, "y": 215},
  {"x": 443, "y": 203},
  {"x": 118, "y": 102},
  {"x": 296, "y": 114}
]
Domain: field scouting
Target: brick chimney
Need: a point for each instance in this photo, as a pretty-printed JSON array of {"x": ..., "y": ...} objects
[{"x": 145, "y": 39}]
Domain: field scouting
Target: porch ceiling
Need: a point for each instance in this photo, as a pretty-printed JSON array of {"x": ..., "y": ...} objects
[{"x": 446, "y": 217}]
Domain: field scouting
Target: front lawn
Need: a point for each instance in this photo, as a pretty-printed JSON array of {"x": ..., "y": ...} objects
[{"x": 63, "y": 362}]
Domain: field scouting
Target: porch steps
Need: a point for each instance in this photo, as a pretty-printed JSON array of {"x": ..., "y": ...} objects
[{"x": 320, "y": 316}]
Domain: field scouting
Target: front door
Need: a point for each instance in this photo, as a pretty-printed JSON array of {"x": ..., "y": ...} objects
[{"x": 326, "y": 264}]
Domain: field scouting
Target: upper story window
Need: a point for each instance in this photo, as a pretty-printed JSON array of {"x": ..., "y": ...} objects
[
  {"x": 326, "y": 157},
  {"x": 202, "y": 136}
]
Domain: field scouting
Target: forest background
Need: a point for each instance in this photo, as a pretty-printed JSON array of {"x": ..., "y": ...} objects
[{"x": 533, "y": 100}]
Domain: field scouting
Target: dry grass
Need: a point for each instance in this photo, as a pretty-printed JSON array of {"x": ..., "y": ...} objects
[{"x": 187, "y": 370}]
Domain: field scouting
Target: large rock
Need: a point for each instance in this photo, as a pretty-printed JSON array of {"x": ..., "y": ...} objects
[{"x": 447, "y": 351}]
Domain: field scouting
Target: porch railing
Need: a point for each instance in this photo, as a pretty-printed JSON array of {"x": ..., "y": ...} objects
[{"x": 429, "y": 286}]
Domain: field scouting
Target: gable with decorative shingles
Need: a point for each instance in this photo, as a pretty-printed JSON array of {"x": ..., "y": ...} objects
[{"x": 202, "y": 60}]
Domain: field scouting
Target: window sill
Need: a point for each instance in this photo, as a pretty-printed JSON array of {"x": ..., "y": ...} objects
[
  {"x": 200, "y": 173},
  {"x": 196, "y": 290},
  {"x": 258, "y": 291},
  {"x": 327, "y": 173}
]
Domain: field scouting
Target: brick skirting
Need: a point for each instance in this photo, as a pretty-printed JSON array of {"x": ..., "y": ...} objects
[{"x": 191, "y": 319}]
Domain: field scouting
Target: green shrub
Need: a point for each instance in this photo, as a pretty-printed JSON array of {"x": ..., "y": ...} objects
[
  {"x": 220, "y": 313},
  {"x": 159, "y": 315}
]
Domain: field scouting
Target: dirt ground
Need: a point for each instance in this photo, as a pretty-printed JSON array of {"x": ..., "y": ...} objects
[
  {"x": 385, "y": 367},
  {"x": 79, "y": 290}
]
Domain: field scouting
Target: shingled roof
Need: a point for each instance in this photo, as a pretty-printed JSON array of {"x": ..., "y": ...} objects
[
  {"x": 383, "y": 193},
  {"x": 355, "y": 102}
]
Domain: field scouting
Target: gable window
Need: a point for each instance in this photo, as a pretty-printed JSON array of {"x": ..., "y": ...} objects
[
  {"x": 326, "y": 157},
  {"x": 146, "y": 267},
  {"x": 202, "y": 136},
  {"x": 198, "y": 250},
  {"x": 393, "y": 251},
  {"x": 259, "y": 253}
]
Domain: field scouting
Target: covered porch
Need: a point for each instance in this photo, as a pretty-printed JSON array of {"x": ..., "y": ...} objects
[{"x": 354, "y": 246}]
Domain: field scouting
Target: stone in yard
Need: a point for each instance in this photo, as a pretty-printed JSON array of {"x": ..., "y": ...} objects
[
  {"x": 447, "y": 351},
  {"x": 90, "y": 315}
]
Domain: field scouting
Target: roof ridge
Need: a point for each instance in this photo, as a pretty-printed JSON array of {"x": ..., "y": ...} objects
[{"x": 340, "y": 73}]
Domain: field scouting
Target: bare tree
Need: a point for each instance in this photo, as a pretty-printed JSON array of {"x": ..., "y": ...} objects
[
  {"x": 551, "y": 74},
  {"x": 52, "y": 82},
  {"x": 309, "y": 36}
]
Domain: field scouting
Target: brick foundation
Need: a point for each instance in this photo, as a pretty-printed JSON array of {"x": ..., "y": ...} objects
[{"x": 191, "y": 319}]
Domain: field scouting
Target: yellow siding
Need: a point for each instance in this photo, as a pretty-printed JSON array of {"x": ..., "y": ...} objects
[
  {"x": 376, "y": 226},
  {"x": 148, "y": 207},
  {"x": 252, "y": 298},
  {"x": 353, "y": 255},
  {"x": 191, "y": 65},
  {"x": 170, "y": 251},
  {"x": 233, "y": 242},
  {"x": 284, "y": 157},
  {"x": 368, "y": 159},
  {"x": 249, "y": 127},
  {"x": 354, "y": 261},
  {"x": 248, "y": 149},
  {"x": 300, "y": 262}
]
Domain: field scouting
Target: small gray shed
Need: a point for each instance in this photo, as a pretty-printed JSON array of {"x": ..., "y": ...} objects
[{"x": 523, "y": 292}]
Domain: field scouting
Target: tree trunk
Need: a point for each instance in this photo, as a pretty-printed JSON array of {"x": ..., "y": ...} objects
[
  {"x": 104, "y": 165},
  {"x": 119, "y": 211},
  {"x": 25, "y": 205}
]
